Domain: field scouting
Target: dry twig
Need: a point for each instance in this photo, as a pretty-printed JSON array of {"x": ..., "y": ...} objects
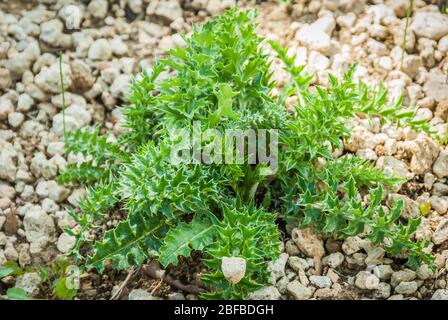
[
  {"x": 154, "y": 270},
  {"x": 117, "y": 294}
]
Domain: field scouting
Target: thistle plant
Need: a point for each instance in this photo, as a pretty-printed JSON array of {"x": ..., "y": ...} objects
[{"x": 222, "y": 80}]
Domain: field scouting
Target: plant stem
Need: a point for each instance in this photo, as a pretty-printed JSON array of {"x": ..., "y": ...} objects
[{"x": 408, "y": 15}]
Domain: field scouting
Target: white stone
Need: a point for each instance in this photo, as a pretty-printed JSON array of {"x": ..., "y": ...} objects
[
  {"x": 233, "y": 268},
  {"x": 135, "y": 6},
  {"x": 383, "y": 291},
  {"x": 411, "y": 65},
  {"x": 42, "y": 167},
  {"x": 443, "y": 44},
  {"x": 168, "y": 10},
  {"x": 8, "y": 157},
  {"x": 56, "y": 147},
  {"x": 5, "y": 79},
  {"x": 308, "y": 242},
  {"x": 50, "y": 189},
  {"x": 215, "y": 7},
  {"x": 378, "y": 32},
  {"x": 39, "y": 228},
  {"x": 76, "y": 196},
  {"x": 401, "y": 276},
  {"x": 82, "y": 42},
  {"x": 3, "y": 239},
  {"x": 317, "y": 61},
  {"x": 440, "y": 167},
  {"x": 297, "y": 263},
  {"x": 299, "y": 291},
  {"x": 72, "y": 15},
  {"x": 398, "y": 35},
  {"x": 400, "y": 7},
  {"x": 24, "y": 103},
  {"x": 326, "y": 24},
  {"x": 346, "y": 21},
  {"x": 58, "y": 124},
  {"x": 392, "y": 166},
  {"x": 386, "y": 63},
  {"x": 314, "y": 39},
  {"x": 64, "y": 220},
  {"x": 436, "y": 86},
  {"x": 108, "y": 75},
  {"x": 367, "y": 281},
  {"x": 15, "y": 119},
  {"x": 29, "y": 282},
  {"x": 2, "y": 258},
  {"x": 333, "y": 260},
  {"x": 6, "y": 108},
  {"x": 376, "y": 47},
  {"x": 375, "y": 256},
  {"x": 440, "y": 235},
  {"x": 432, "y": 25},
  {"x": 321, "y": 281},
  {"x": 352, "y": 245},
  {"x": 98, "y": 8},
  {"x": 440, "y": 294},
  {"x": 49, "y": 79},
  {"x": 424, "y": 272},
  {"x": 120, "y": 88},
  {"x": 139, "y": 294},
  {"x": 380, "y": 13},
  {"x": 79, "y": 113},
  {"x": 390, "y": 146},
  {"x": 100, "y": 50},
  {"x": 406, "y": 287},
  {"x": 11, "y": 252},
  {"x": 65, "y": 242},
  {"x": 51, "y": 32},
  {"x": 424, "y": 152},
  {"x": 367, "y": 154},
  {"x": 440, "y": 204},
  {"x": 119, "y": 48},
  {"x": 265, "y": 293},
  {"x": 49, "y": 206},
  {"x": 277, "y": 267},
  {"x": 383, "y": 272},
  {"x": 76, "y": 117}
]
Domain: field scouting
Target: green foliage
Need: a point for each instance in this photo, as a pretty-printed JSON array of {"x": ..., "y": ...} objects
[
  {"x": 101, "y": 157},
  {"x": 424, "y": 208},
  {"x": 179, "y": 241},
  {"x": 129, "y": 243},
  {"x": 16, "y": 294},
  {"x": 10, "y": 268},
  {"x": 222, "y": 80},
  {"x": 61, "y": 277},
  {"x": 64, "y": 289},
  {"x": 443, "y": 6}
]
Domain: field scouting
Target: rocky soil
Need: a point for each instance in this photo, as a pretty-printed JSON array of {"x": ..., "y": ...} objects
[{"x": 115, "y": 39}]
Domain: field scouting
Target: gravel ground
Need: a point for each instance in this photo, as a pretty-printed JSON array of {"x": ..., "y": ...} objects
[{"x": 116, "y": 39}]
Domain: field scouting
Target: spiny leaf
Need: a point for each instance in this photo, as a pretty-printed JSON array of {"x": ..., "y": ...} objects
[
  {"x": 180, "y": 240},
  {"x": 129, "y": 243}
]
